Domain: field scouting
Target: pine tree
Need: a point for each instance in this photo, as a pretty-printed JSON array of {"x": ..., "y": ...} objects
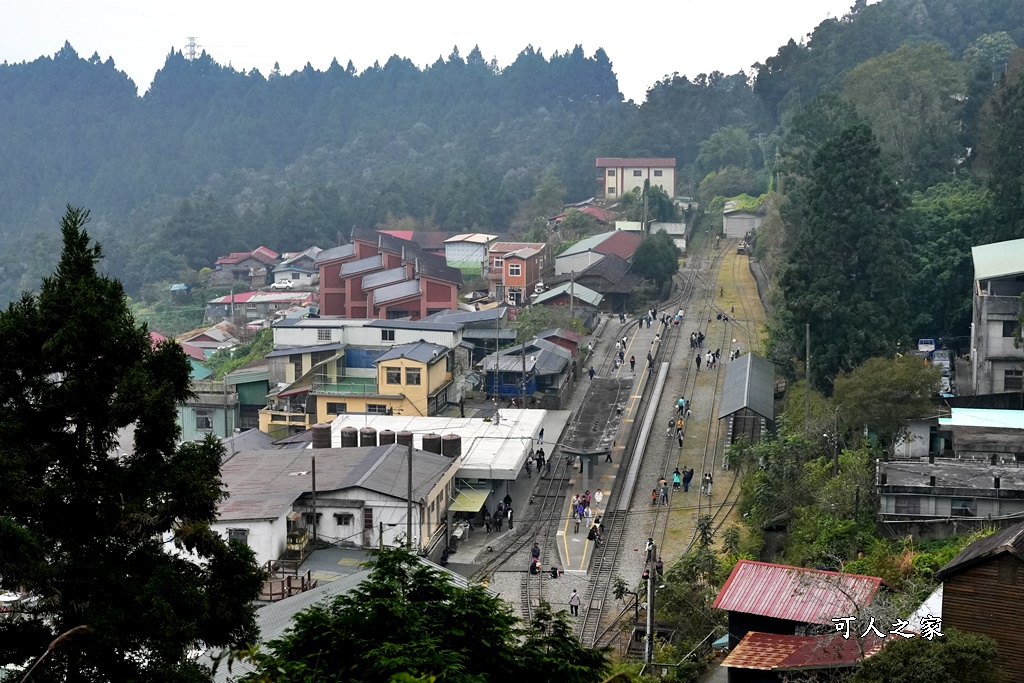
[
  {"x": 846, "y": 266},
  {"x": 82, "y": 524}
]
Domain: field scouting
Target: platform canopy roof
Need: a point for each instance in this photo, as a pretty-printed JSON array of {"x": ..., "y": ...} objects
[{"x": 749, "y": 383}]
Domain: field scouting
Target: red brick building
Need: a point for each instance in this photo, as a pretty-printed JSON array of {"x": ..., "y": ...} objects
[
  {"x": 382, "y": 276},
  {"x": 515, "y": 269}
]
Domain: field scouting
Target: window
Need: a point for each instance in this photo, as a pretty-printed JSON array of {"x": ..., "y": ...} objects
[
  {"x": 376, "y": 408},
  {"x": 393, "y": 375},
  {"x": 240, "y": 535},
  {"x": 1008, "y": 569},
  {"x": 368, "y": 519},
  {"x": 637, "y": 174},
  {"x": 498, "y": 262},
  {"x": 1009, "y": 326},
  {"x": 908, "y": 505},
  {"x": 250, "y": 307},
  {"x": 307, "y": 518},
  {"x": 343, "y": 518},
  {"x": 296, "y": 361},
  {"x": 412, "y": 376},
  {"x": 963, "y": 507},
  {"x": 397, "y": 315},
  {"x": 323, "y": 335},
  {"x": 657, "y": 174},
  {"x": 204, "y": 420},
  {"x": 611, "y": 172},
  {"x": 295, "y": 276},
  {"x": 1013, "y": 380},
  {"x": 611, "y": 189},
  {"x": 387, "y": 335},
  {"x": 337, "y": 408},
  {"x": 515, "y": 269}
]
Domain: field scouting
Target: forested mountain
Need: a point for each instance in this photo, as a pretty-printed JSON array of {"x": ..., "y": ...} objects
[{"x": 212, "y": 159}]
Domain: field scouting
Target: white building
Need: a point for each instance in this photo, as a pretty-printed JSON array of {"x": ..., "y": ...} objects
[
  {"x": 619, "y": 175},
  {"x": 468, "y": 252},
  {"x": 361, "y": 493},
  {"x": 996, "y": 364}
]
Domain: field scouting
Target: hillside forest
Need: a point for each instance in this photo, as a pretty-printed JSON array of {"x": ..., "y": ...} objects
[{"x": 882, "y": 147}]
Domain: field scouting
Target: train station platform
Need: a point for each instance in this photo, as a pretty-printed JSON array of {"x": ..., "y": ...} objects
[{"x": 599, "y": 435}]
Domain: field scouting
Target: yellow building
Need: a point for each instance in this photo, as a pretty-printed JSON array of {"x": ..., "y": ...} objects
[{"x": 410, "y": 379}]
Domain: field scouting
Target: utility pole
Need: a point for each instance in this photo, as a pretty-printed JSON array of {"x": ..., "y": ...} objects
[
  {"x": 522, "y": 386},
  {"x": 313, "y": 472},
  {"x": 408, "y": 505},
  {"x": 807, "y": 380},
  {"x": 652, "y": 576},
  {"x": 572, "y": 293}
]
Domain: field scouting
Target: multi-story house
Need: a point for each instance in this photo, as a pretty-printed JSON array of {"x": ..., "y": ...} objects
[
  {"x": 252, "y": 268},
  {"x": 298, "y": 267},
  {"x": 617, "y": 176},
  {"x": 515, "y": 269},
  {"x": 381, "y": 276},
  {"x": 468, "y": 252},
  {"x": 997, "y": 364}
]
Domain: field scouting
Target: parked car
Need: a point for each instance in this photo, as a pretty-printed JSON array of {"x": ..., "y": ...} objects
[{"x": 283, "y": 284}]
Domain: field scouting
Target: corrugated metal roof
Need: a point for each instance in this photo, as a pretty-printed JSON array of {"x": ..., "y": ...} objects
[
  {"x": 508, "y": 364},
  {"x": 401, "y": 290},
  {"x": 634, "y": 162},
  {"x": 426, "y": 325},
  {"x": 487, "y": 315},
  {"x": 779, "y": 652},
  {"x": 1009, "y": 540},
  {"x": 362, "y": 265},
  {"x": 547, "y": 357},
  {"x": 1000, "y": 259},
  {"x": 612, "y": 269},
  {"x": 984, "y": 417},
  {"x": 808, "y": 596},
  {"x": 424, "y": 352},
  {"x": 505, "y": 247},
  {"x": 561, "y": 332},
  {"x": 472, "y": 237},
  {"x": 587, "y": 244},
  {"x": 385, "y": 277},
  {"x": 749, "y": 383},
  {"x": 334, "y": 253},
  {"x": 304, "y": 349},
  {"x": 584, "y": 294},
  {"x": 264, "y": 484}
]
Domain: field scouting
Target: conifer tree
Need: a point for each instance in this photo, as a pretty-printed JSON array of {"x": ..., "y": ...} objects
[{"x": 115, "y": 540}]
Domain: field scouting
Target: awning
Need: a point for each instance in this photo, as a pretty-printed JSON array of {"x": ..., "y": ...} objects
[
  {"x": 293, "y": 392},
  {"x": 469, "y": 501}
]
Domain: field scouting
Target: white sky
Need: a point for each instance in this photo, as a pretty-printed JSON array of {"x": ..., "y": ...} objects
[{"x": 644, "y": 40}]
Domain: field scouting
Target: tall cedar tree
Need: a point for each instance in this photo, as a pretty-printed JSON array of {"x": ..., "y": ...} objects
[
  {"x": 409, "y": 618},
  {"x": 82, "y": 525},
  {"x": 845, "y": 271}
]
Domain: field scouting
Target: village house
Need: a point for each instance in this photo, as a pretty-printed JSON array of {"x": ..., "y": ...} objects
[
  {"x": 997, "y": 365},
  {"x": 254, "y": 305},
  {"x": 516, "y": 270},
  {"x": 610, "y": 277},
  {"x": 468, "y": 252},
  {"x": 247, "y": 268},
  {"x": 299, "y": 268},
  {"x": 540, "y": 369},
  {"x": 592, "y": 249}
]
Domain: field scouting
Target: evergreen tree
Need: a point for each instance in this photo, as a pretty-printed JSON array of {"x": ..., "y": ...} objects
[
  {"x": 846, "y": 263},
  {"x": 409, "y": 618},
  {"x": 83, "y": 525},
  {"x": 656, "y": 259}
]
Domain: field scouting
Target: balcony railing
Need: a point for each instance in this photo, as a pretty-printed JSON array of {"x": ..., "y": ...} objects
[{"x": 344, "y": 386}]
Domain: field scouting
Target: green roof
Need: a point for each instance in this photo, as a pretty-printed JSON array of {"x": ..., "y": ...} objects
[
  {"x": 1001, "y": 259},
  {"x": 584, "y": 294}
]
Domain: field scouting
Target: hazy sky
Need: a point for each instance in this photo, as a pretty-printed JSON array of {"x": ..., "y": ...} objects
[{"x": 644, "y": 40}]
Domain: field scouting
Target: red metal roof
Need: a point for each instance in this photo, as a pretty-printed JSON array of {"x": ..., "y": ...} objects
[
  {"x": 261, "y": 254},
  {"x": 809, "y": 596},
  {"x": 778, "y": 652},
  {"x": 634, "y": 162},
  {"x": 622, "y": 243}
]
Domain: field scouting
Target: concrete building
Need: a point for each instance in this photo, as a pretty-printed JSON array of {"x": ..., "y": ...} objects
[
  {"x": 298, "y": 267},
  {"x": 213, "y": 409},
  {"x": 619, "y": 175},
  {"x": 934, "y": 489},
  {"x": 382, "y": 276},
  {"x": 468, "y": 252},
  {"x": 738, "y": 223},
  {"x": 515, "y": 269},
  {"x": 996, "y": 364}
]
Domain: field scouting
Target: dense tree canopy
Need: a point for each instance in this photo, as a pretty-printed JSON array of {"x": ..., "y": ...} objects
[
  {"x": 83, "y": 525},
  {"x": 657, "y": 258},
  {"x": 845, "y": 274},
  {"x": 410, "y": 618}
]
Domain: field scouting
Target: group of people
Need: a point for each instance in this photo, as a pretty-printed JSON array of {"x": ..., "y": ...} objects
[
  {"x": 581, "y": 511},
  {"x": 540, "y": 459},
  {"x": 682, "y": 479},
  {"x": 710, "y": 359},
  {"x": 503, "y": 513},
  {"x": 660, "y": 493},
  {"x": 696, "y": 340}
]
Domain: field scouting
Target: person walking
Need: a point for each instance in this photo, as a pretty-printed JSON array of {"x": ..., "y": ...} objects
[
  {"x": 574, "y": 603},
  {"x": 677, "y": 478},
  {"x": 511, "y": 518},
  {"x": 576, "y": 521},
  {"x": 679, "y": 437},
  {"x": 487, "y": 521},
  {"x": 632, "y": 363},
  {"x": 540, "y": 435},
  {"x": 529, "y": 467},
  {"x": 654, "y": 496},
  {"x": 624, "y": 344},
  {"x": 535, "y": 552},
  {"x": 697, "y": 361},
  {"x": 671, "y": 426},
  {"x": 664, "y": 495},
  {"x": 591, "y": 372},
  {"x": 650, "y": 550},
  {"x": 687, "y": 478}
]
